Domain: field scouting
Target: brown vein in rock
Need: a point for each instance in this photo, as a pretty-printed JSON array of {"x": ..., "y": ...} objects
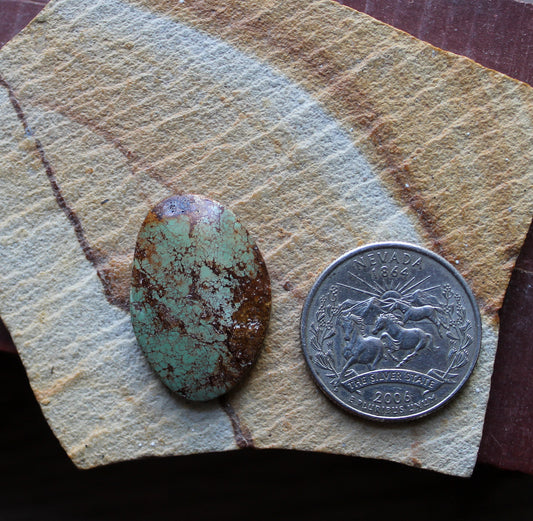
[
  {"x": 133, "y": 158},
  {"x": 292, "y": 43},
  {"x": 243, "y": 437},
  {"x": 56, "y": 190}
]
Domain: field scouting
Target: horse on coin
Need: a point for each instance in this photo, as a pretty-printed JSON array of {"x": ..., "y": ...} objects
[
  {"x": 414, "y": 313},
  {"x": 358, "y": 349},
  {"x": 401, "y": 338}
]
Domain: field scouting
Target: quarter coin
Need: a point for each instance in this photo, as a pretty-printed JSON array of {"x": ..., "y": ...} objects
[{"x": 391, "y": 331}]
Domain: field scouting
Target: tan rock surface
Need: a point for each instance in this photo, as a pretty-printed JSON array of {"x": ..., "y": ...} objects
[{"x": 321, "y": 128}]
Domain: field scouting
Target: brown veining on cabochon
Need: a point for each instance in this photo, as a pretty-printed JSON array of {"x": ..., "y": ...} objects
[{"x": 193, "y": 263}]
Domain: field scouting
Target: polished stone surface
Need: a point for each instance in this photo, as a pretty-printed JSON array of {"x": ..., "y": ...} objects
[{"x": 200, "y": 296}]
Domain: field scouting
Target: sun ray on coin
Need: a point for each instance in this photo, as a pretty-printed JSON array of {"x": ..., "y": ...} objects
[
  {"x": 400, "y": 289},
  {"x": 365, "y": 282},
  {"x": 422, "y": 289},
  {"x": 417, "y": 284},
  {"x": 358, "y": 289}
]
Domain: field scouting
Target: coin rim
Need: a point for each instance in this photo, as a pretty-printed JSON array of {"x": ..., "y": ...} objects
[{"x": 368, "y": 247}]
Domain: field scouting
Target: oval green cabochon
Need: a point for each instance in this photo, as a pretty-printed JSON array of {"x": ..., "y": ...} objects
[{"x": 200, "y": 296}]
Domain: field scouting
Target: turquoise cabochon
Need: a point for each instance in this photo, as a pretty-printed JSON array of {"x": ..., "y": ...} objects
[{"x": 200, "y": 296}]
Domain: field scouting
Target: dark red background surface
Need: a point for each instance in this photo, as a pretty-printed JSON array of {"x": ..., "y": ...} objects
[
  {"x": 37, "y": 481},
  {"x": 495, "y": 33}
]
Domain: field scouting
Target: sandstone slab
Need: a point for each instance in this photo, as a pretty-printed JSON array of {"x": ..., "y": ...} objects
[{"x": 320, "y": 127}]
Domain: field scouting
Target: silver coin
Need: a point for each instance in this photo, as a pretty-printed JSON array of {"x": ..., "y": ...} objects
[{"x": 391, "y": 331}]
